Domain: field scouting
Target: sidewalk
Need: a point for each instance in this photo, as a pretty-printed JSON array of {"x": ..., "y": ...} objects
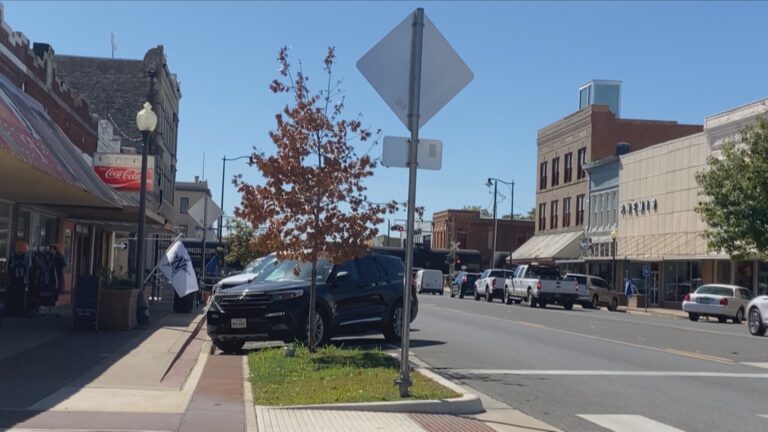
[{"x": 658, "y": 312}]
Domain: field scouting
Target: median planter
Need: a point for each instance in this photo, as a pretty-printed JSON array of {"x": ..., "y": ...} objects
[{"x": 117, "y": 308}]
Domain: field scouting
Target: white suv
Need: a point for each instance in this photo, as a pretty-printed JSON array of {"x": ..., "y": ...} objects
[{"x": 595, "y": 292}]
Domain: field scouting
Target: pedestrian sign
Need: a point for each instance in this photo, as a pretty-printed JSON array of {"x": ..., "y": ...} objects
[{"x": 646, "y": 271}]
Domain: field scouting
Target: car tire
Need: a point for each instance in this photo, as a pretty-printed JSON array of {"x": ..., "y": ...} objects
[
  {"x": 507, "y": 300},
  {"x": 614, "y": 304},
  {"x": 229, "y": 347},
  {"x": 693, "y": 317},
  {"x": 531, "y": 300},
  {"x": 568, "y": 305},
  {"x": 393, "y": 328},
  {"x": 722, "y": 319},
  {"x": 755, "y": 322},
  {"x": 323, "y": 332},
  {"x": 595, "y": 302},
  {"x": 739, "y": 316},
  {"x": 488, "y": 295}
]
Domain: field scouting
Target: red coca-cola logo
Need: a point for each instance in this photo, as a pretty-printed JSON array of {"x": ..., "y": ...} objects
[{"x": 123, "y": 178}]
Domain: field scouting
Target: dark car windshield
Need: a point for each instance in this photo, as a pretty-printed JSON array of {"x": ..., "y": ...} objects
[{"x": 281, "y": 271}]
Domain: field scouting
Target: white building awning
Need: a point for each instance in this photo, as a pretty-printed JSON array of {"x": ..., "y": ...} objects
[{"x": 550, "y": 247}]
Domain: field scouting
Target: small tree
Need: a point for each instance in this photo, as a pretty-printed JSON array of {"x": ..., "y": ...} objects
[
  {"x": 241, "y": 240},
  {"x": 483, "y": 211},
  {"x": 312, "y": 203},
  {"x": 736, "y": 187}
]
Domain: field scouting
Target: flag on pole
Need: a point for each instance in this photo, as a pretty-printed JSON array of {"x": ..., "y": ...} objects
[
  {"x": 212, "y": 268},
  {"x": 176, "y": 265}
]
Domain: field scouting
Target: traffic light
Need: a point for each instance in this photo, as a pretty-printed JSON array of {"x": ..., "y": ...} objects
[{"x": 458, "y": 261}]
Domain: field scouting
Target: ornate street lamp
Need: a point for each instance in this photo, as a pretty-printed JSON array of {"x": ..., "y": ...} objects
[{"x": 146, "y": 121}]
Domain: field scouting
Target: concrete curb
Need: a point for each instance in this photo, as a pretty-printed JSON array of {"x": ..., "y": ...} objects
[{"x": 196, "y": 325}]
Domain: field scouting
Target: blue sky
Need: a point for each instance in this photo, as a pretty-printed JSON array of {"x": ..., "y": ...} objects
[{"x": 678, "y": 61}]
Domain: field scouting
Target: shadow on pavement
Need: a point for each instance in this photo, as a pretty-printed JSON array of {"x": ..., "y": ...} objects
[{"x": 51, "y": 356}]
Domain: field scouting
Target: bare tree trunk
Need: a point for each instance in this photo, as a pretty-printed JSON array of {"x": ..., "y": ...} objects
[{"x": 311, "y": 328}]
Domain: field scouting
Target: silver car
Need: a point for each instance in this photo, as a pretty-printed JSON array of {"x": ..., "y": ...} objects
[{"x": 721, "y": 301}]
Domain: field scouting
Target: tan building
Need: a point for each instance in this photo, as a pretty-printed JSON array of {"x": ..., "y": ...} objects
[
  {"x": 658, "y": 225},
  {"x": 564, "y": 148},
  {"x": 474, "y": 232},
  {"x": 187, "y": 195}
]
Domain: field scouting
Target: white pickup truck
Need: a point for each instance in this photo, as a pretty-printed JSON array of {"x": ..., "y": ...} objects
[
  {"x": 490, "y": 284},
  {"x": 540, "y": 285}
]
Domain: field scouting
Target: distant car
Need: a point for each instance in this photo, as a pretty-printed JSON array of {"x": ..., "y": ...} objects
[
  {"x": 595, "y": 292},
  {"x": 250, "y": 273},
  {"x": 463, "y": 284},
  {"x": 721, "y": 301},
  {"x": 757, "y": 315},
  {"x": 491, "y": 283},
  {"x": 429, "y": 281}
]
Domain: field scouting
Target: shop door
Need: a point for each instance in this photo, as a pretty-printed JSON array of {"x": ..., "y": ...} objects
[{"x": 654, "y": 288}]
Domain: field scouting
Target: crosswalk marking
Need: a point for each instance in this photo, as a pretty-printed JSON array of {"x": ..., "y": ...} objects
[
  {"x": 628, "y": 423},
  {"x": 619, "y": 373}
]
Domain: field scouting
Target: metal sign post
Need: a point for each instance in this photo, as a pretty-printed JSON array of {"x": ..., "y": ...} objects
[{"x": 446, "y": 74}]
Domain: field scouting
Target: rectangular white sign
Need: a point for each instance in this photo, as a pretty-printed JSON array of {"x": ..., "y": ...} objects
[{"x": 395, "y": 153}]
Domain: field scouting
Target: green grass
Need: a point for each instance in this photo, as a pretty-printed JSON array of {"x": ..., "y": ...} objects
[{"x": 332, "y": 375}]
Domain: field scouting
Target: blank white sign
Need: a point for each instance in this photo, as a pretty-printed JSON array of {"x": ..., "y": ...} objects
[{"x": 395, "y": 153}]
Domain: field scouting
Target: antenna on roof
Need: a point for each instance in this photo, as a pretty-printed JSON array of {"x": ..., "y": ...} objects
[{"x": 112, "y": 43}]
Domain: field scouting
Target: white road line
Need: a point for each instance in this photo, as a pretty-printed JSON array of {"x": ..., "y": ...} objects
[
  {"x": 763, "y": 415},
  {"x": 602, "y": 373},
  {"x": 763, "y": 365},
  {"x": 628, "y": 423}
]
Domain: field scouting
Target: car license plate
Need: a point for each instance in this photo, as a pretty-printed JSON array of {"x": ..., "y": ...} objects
[
  {"x": 238, "y": 323},
  {"x": 703, "y": 300}
]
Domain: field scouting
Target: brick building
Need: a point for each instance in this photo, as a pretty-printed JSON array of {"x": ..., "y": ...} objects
[
  {"x": 116, "y": 89},
  {"x": 475, "y": 232},
  {"x": 565, "y": 147}
]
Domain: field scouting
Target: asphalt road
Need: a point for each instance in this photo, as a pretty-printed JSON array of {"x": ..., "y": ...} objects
[{"x": 587, "y": 370}]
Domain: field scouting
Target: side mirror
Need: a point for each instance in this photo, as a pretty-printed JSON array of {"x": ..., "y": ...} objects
[{"x": 342, "y": 276}]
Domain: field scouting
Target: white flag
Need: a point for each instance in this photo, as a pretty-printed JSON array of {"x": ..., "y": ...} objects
[{"x": 177, "y": 267}]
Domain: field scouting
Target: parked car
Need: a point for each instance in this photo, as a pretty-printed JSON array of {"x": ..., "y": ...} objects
[
  {"x": 721, "y": 301},
  {"x": 540, "y": 285},
  {"x": 430, "y": 281},
  {"x": 757, "y": 315},
  {"x": 463, "y": 284},
  {"x": 249, "y": 273},
  {"x": 360, "y": 295},
  {"x": 595, "y": 292},
  {"x": 490, "y": 284}
]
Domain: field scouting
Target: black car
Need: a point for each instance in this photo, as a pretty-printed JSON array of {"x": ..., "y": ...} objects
[
  {"x": 463, "y": 283},
  {"x": 358, "y": 296}
]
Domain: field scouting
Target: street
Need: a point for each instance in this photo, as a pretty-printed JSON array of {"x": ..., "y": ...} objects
[{"x": 587, "y": 370}]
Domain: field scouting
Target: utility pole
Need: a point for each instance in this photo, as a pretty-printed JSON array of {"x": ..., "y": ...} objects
[
  {"x": 453, "y": 247},
  {"x": 495, "y": 224}
]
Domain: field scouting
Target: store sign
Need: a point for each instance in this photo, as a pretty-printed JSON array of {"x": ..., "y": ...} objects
[
  {"x": 123, "y": 171},
  {"x": 639, "y": 207}
]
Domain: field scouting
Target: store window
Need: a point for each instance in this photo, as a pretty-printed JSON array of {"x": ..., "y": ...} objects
[
  {"x": 723, "y": 272},
  {"x": 681, "y": 278},
  {"x": 744, "y": 274},
  {"x": 762, "y": 279},
  {"x": 5, "y": 232}
]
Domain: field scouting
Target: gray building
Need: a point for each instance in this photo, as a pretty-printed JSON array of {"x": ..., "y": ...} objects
[
  {"x": 602, "y": 215},
  {"x": 187, "y": 195},
  {"x": 116, "y": 90}
]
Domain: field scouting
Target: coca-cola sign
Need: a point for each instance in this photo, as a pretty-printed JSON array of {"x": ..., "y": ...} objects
[{"x": 123, "y": 171}]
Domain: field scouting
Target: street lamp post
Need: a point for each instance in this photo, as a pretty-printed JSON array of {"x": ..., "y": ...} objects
[
  {"x": 614, "y": 234},
  {"x": 495, "y": 182},
  {"x": 224, "y": 161},
  {"x": 146, "y": 121}
]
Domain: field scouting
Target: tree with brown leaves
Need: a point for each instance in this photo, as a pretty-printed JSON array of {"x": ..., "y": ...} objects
[{"x": 312, "y": 204}]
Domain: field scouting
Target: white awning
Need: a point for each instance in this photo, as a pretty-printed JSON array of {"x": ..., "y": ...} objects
[{"x": 550, "y": 247}]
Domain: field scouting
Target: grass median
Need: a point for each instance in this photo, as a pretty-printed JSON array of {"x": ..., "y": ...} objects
[{"x": 332, "y": 375}]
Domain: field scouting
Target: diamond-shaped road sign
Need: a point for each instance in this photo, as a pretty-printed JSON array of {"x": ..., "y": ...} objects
[
  {"x": 443, "y": 73},
  {"x": 198, "y": 213}
]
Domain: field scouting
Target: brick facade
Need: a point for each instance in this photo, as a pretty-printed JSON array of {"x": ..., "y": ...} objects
[
  {"x": 597, "y": 132},
  {"x": 476, "y": 232}
]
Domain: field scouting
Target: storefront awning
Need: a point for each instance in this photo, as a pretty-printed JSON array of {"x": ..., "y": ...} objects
[
  {"x": 38, "y": 163},
  {"x": 549, "y": 247}
]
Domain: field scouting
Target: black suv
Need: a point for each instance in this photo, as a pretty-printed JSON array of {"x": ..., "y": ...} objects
[{"x": 360, "y": 295}]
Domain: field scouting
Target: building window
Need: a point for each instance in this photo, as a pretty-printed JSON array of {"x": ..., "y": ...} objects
[
  {"x": 553, "y": 215},
  {"x": 568, "y": 168},
  {"x": 542, "y": 216},
  {"x": 543, "y": 176},
  {"x": 580, "y": 210},
  {"x": 566, "y": 212},
  {"x": 581, "y": 161},
  {"x": 556, "y": 171},
  {"x": 184, "y": 206}
]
